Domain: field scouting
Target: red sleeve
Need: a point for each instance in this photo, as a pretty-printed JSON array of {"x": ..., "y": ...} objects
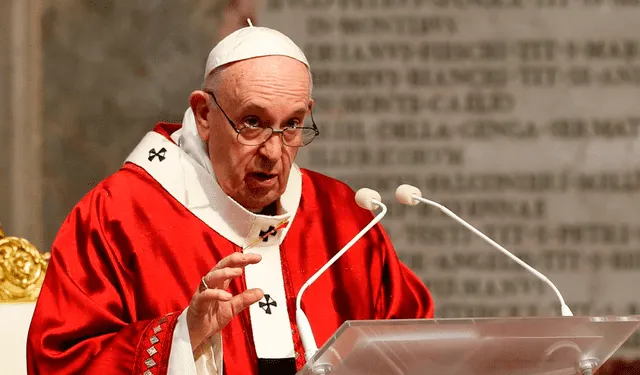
[
  {"x": 82, "y": 323},
  {"x": 402, "y": 295}
]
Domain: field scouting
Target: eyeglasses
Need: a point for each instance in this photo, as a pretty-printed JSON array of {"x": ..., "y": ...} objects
[{"x": 255, "y": 135}]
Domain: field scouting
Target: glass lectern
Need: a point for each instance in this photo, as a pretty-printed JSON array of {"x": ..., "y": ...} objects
[{"x": 483, "y": 346}]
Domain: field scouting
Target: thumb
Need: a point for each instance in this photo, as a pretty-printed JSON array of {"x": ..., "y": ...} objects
[{"x": 245, "y": 299}]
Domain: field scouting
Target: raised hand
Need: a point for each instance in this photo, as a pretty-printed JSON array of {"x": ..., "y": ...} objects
[{"x": 212, "y": 306}]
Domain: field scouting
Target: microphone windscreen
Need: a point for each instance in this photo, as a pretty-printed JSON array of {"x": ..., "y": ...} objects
[
  {"x": 364, "y": 197},
  {"x": 404, "y": 194}
]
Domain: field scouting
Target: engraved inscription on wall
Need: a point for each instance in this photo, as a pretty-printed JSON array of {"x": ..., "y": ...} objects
[{"x": 522, "y": 116}]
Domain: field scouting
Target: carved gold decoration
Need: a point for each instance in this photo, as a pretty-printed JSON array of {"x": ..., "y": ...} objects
[{"x": 22, "y": 270}]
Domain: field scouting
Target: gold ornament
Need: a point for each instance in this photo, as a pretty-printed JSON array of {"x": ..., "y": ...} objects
[{"x": 22, "y": 269}]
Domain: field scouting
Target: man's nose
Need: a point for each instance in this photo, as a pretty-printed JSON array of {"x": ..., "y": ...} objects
[{"x": 272, "y": 147}]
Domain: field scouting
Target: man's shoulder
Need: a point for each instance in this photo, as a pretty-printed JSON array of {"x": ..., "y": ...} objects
[
  {"x": 321, "y": 188},
  {"x": 111, "y": 199},
  {"x": 322, "y": 181},
  {"x": 325, "y": 195},
  {"x": 129, "y": 181}
]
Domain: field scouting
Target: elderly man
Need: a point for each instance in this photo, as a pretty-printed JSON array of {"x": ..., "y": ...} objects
[{"x": 188, "y": 260}]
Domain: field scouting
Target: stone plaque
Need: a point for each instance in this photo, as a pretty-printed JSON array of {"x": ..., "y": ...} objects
[{"x": 522, "y": 116}]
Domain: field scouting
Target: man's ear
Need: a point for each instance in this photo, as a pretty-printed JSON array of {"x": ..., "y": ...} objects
[
  {"x": 311, "y": 103},
  {"x": 199, "y": 101}
]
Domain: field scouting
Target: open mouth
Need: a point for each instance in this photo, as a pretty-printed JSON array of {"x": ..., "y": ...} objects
[{"x": 261, "y": 176}]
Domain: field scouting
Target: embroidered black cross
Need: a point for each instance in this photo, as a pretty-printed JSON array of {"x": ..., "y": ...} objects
[
  {"x": 266, "y": 306},
  {"x": 159, "y": 154},
  {"x": 269, "y": 232}
]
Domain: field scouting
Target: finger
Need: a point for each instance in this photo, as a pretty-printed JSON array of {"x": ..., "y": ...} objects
[
  {"x": 217, "y": 278},
  {"x": 238, "y": 260},
  {"x": 203, "y": 300},
  {"x": 245, "y": 299},
  {"x": 213, "y": 295}
]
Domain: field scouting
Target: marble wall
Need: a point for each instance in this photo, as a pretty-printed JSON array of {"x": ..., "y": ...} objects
[{"x": 112, "y": 69}]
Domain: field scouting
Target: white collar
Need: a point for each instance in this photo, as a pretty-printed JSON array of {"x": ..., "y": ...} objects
[{"x": 188, "y": 139}]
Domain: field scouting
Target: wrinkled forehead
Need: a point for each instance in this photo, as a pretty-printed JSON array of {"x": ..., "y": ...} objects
[{"x": 264, "y": 74}]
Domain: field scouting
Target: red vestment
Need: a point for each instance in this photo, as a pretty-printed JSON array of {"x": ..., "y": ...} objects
[{"x": 129, "y": 257}]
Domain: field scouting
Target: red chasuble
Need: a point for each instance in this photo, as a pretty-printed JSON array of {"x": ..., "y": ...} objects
[{"x": 129, "y": 257}]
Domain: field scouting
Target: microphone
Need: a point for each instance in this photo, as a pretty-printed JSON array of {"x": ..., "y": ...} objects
[
  {"x": 369, "y": 200},
  {"x": 411, "y": 196}
]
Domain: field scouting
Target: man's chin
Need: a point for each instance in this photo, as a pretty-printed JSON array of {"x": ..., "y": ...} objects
[
  {"x": 256, "y": 201},
  {"x": 260, "y": 194}
]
